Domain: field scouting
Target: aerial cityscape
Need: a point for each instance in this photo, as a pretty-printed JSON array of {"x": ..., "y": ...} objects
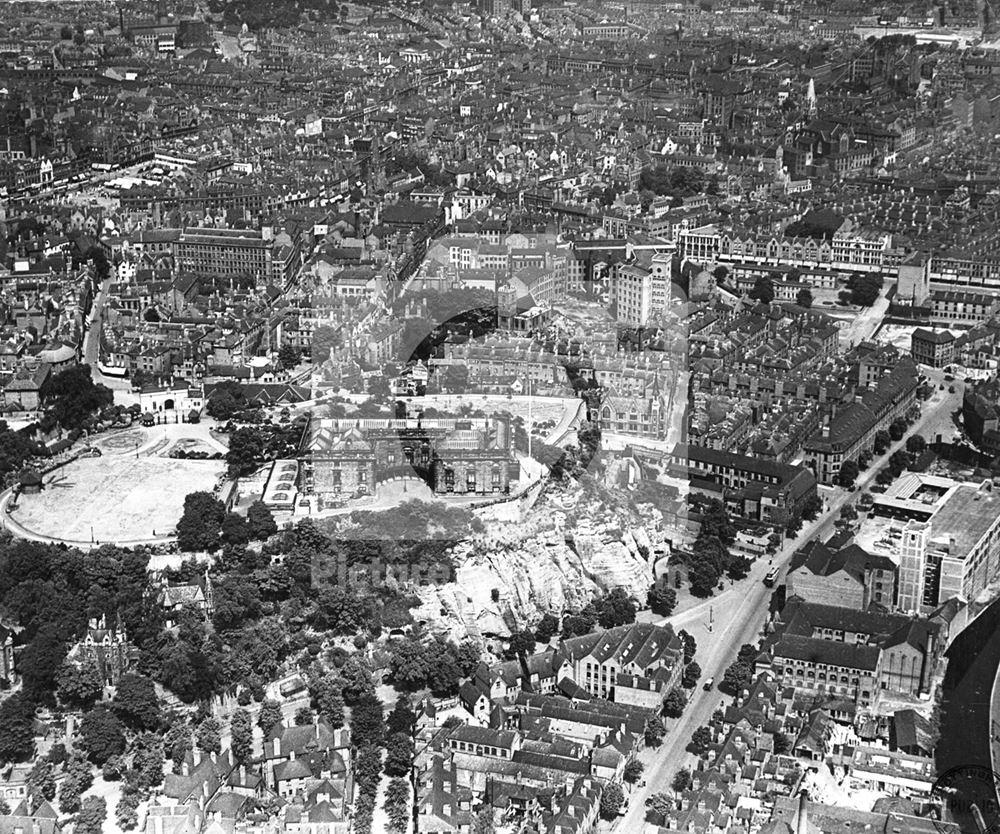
[{"x": 499, "y": 417}]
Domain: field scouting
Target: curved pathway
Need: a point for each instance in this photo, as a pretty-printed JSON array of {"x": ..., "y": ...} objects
[{"x": 17, "y": 529}]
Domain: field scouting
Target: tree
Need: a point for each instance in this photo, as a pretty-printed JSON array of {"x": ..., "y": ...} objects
[
  {"x": 209, "y": 735},
  {"x": 482, "y": 823},
  {"x": 40, "y": 661},
  {"x": 612, "y": 798},
  {"x": 367, "y": 721},
  {"x": 79, "y": 684},
  {"x": 703, "y": 577},
  {"x": 101, "y": 735},
  {"x": 661, "y": 598},
  {"x": 236, "y": 600},
  {"x": 763, "y": 289},
  {"x": 915, "y": 444},
  {"x": 397, "y": 805},
  {"x": 615, "y": 608},
  {"x": 681, "y": 781},
  {"x": 812, "y": 507},
  {"x": 93, "y": 812},
  {"x": 303, "y": 717},
  {"x": 71, "y": 397},
  {"x": 659, "y": 805},
  {"x": 674, "y": 702},
  {"x": 288, "y": 357},
  {"x": 41, "y": 783},
  {"x": 737, "y": 676},
  {"x": 409, "y": 663},
  {"x": 69, "y": 795},
  {"x": 235, "y": 530},
  {"x": 864, "y": 289},
  {"x": 654, "y": 731},
  {"x": 804, "y": 297},
  {"x": 402, "y": 719},
  {"x": 691, "y": 674},
  {"x": 368, "y": 769},
  {"x": 399, "y": 754},
  {"x": 689, "y": 645},
  {"x": 897, "y": 428},
  {"x": 633, "y": 771},
  {"x": 848, "y": 473},
  {"x": 66, "y": 33},
  {"x": 328, "y": 700},
  {"x": 201, "y": 522},
  {"x": 261, "y": 521},
  {"x": 241, "y": 732},
  {"x": 522, "y": 643},
  {"x": 126, "y": 814},
  {"x": 881, "y": 442},
  {"x": 147, "y": 761},
  {"x": 177, "y": 743},
  {"x": 323, "y": 340},
  {"x": 739, "y": 567},
  {"x": 574, "y": 625},
  {"x": 246, "y": 451},
  {"x": 781, "y": 743},
  {"x": 716, "y": 523},
  {"x": 135, "y": 702},
  {"x": 701, "y": 739},
  {"x": 547, "y": 628}
]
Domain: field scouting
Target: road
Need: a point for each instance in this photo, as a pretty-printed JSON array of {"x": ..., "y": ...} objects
[
  {"x": 92, "y": 344},
  {"x": 92, "y": 338},
  {"x": 738, "y": 615}
]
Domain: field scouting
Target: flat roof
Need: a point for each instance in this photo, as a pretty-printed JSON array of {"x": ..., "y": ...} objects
[{"x": 968, "y": 514}]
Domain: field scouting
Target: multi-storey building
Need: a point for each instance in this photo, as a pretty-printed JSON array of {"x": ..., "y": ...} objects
[
  {"x": 348, "y": 457},
  {"x": 843, "y": 652},
  {"x": 596, "y": 660},
  {"x": 852, "y": 430},
  {"x": 851, "y": 251},
  {"x": 760, "y": 489},
  {"x": 206, "y": 251},
  {"x": 932, "y": 347},
  {"x": 946, "y": 538},
  {"x": 849, "y": 577}
]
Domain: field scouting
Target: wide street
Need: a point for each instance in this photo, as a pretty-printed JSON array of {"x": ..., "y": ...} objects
[{"x": 738, "y": 615}]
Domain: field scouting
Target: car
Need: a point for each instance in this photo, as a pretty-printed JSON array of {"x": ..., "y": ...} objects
[{"x": 708, "y": 684}]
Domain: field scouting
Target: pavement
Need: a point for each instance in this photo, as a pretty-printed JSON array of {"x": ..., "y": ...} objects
[{"x": 723, "y": 623}]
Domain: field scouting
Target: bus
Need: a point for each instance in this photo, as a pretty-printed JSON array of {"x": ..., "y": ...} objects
[{"x": 771, "y": 578}]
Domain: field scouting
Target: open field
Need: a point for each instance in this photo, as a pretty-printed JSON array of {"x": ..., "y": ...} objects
[{"x": 120, "y": 498}]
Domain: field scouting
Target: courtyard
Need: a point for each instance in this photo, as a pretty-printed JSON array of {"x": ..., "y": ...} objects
[{"x": 114, "y": 498}]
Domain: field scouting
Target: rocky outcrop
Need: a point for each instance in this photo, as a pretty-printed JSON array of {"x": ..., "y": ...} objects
[{"x": 510, "y": 578}]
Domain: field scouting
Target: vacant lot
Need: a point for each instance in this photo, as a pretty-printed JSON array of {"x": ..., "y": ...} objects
[{"x": 121, "y": 498}]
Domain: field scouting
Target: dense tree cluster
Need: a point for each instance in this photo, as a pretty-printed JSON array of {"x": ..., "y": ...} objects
[
  {"x": 674, "y": 181},
  {"x": 438, "y": 665},
  {"x": 710, "y": 557},
  {"x": 740, "y": 672},
  {"x": 71, "y": 398},
  {"x": 610, "y": 610},
  {"x": 862, "y": 290},
  {"x": 53, "y": 591},
  {"x": 252, "y": 446},
  {"x": 205, "y": 525}
]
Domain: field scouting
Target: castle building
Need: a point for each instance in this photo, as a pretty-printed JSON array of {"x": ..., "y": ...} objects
[{"x": 461, "y": 457}]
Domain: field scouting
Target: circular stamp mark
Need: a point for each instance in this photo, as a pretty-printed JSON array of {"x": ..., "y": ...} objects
[{"x": 968, "y": 796}]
